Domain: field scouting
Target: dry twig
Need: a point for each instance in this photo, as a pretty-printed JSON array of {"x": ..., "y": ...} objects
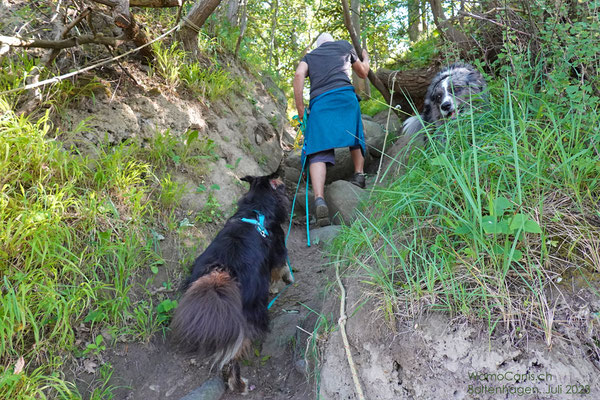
[{"x": 342, "y": 322}]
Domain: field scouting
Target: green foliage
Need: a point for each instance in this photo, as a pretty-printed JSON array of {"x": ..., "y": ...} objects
[
  {"x": 211, "y": 212},
  {"x": 16, "y": 71},
  {"x": 171, "y": 192},
  {"x": 13, "y": 75},
  {"x": 420, "y": 54},
  {"x": 211, "y": 83},
  {"x": 35, "y": 382},
  {"x": 561, "y": 60},
  {"x": 149, "y": 320},
  {"x": 374, "y": 105},
  {"x": 169, "y": 62},
  {"x": 189, "y": 152},
  {"x": 101, "y": 389},
  {"x": 95, "y": 347}
]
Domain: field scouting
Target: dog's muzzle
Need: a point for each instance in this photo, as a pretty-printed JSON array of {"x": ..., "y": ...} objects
[{"x": 447, "y": 109}]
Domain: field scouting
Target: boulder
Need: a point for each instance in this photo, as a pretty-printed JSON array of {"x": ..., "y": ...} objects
[
  {"x": 374, "y": 136},
  {"x": 324, "y": 235},
  {"x": 342, "y": 199},
  {"x": 397, "y": 155},
  {"x": 394, "y": 125}
]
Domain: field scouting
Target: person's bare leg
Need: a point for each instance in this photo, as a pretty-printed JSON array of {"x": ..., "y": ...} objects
[
  {"x": 318, "y": 173},
  {"x": 358, "y": 160}
]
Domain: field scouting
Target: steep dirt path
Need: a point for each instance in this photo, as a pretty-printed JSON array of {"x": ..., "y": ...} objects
[{"x": 276, "y": 370}]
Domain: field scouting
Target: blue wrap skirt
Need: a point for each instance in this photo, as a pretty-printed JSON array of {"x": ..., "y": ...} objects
[{"x": 334, "y": 120}]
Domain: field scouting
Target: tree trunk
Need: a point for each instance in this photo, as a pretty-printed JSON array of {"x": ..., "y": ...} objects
[
  {"x": 197, "y": 16},
  {"x": 424, "y": 25},
  {"x": 408, "y": 87},
  {"x": 243, "y": 25},
  {"x": 124, "y": 19},
  {"x": 448, "y": 31},
  {"x": 414, "y": 17},
  {"x": 274, "y": 9},
  {"x": 366, "y": 82},
  {"x": 359, "y": 83},
  {"x": 232, "y": 12},
  {"x": 356, "y": 43}
]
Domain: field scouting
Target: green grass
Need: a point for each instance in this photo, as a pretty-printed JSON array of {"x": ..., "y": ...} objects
[
  {"x": 189, "y": 152},
  {"x": 484, "y": 222},
  {"x": 207, "y": 82},
  {"x": 75, "y": 248}
]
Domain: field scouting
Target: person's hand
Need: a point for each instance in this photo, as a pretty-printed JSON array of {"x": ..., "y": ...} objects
[{"x": 300, "y": 113}]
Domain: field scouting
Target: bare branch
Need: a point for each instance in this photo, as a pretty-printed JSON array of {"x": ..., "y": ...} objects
[
  {"x": 482, "y": 18},
  {"x": 54, "y": 53},
  {"x": 356, "y": 43},
  {"x": 144, "y": 3},
  {"x": 61, "y": 44}
]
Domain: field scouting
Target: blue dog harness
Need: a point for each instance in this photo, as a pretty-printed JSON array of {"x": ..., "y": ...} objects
[{"x": 259, "y": 222}]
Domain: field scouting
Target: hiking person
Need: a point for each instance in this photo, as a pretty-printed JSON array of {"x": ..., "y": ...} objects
[{"x": 334, "y": 113}]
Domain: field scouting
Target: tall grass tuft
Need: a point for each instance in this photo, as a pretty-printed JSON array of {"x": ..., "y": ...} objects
[
  {"x": 72, "y": 240},
  {"x": 488, "y": 217}
]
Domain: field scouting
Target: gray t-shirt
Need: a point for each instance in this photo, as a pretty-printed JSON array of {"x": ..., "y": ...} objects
[{"x": 329, "y": 66}]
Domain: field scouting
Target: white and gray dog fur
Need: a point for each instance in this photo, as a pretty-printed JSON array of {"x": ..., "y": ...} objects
[{"x": 450, "y": 92}]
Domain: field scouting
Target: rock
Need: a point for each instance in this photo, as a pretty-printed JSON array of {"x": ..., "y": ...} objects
[
  {"x": 343, "y": 198},
  {"x": 394, "y": 125},
  {"x": 212, "y": 389},
  {"x": 325, "y": 234},
  {"x": 398, "y": 154},
  {"x": 276, "y": 93},
  {"x": 300, "y": 205},
  {"x": 300, "y": 366},
  {"x": 374, "y": 136},
  {"x": 343, "y": 168},
  {"x": 291, "y": 169},
  {"x": 283, "y": 328}
]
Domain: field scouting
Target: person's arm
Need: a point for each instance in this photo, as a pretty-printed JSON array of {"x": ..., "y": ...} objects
[
  {"x": 362, "y": 67},
  {"x": 298, "y": 85}
]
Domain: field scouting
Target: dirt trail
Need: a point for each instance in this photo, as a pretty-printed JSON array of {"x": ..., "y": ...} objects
[{"x": 276, "y": 371}]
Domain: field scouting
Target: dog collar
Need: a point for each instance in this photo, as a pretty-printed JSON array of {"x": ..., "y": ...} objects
[{"x": 259, "y": 222}]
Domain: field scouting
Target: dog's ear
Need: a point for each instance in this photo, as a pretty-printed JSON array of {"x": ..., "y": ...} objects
[
  {"x": 273, "y": 175},
  {"x": 275, "y": 183},
  {"x": 248, "y": 179},
  {"x": 427, "y": 111}
]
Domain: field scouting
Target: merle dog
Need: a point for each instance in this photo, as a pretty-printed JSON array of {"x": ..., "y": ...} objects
[{"x": 450, "y": 92}]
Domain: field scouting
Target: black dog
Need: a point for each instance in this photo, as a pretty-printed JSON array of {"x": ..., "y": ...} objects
[{"x": 224, "y": 306}]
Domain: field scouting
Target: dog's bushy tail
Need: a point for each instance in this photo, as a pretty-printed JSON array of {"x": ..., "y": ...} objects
[
  {"x": 210, "y": 317},
  {"x": 413, "y": 125}
]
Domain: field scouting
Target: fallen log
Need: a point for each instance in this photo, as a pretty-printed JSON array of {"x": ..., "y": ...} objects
[{"x": 408, "y": 87}]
